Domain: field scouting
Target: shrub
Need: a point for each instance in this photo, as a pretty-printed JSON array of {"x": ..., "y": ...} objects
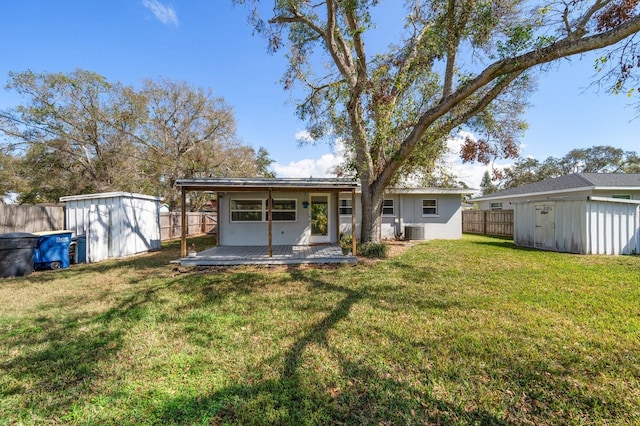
[{"x": 377, "y": 250}]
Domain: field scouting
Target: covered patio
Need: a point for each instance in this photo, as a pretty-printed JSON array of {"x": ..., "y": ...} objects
[
  {"x": 259, "y": 255},
  {"x": 273, "y": 221}
]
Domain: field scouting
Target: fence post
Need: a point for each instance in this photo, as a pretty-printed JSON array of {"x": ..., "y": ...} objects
[{"x": 484, "y": 222}]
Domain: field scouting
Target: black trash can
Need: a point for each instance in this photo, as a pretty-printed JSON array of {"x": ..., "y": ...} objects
[{"x": 16, "y": 253}]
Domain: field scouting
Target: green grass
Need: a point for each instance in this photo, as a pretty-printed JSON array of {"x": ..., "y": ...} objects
[{"x": 452, "y": 332}]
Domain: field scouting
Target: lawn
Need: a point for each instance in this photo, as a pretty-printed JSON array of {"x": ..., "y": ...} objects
[{"x": 451, "y": 332}]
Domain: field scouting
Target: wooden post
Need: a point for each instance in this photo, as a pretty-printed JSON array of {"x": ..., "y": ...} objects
[
  {"x": 336, "y": 211},
  {"x": 484, "y": 222},
  {"x": 269, "y": 220},
  {"x": 218, "y": 219},
  {"x": 353, "y": 222},
  {"x": 183, "y": 225}
]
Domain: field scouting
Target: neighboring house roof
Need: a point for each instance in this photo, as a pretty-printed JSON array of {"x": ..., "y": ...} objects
[{"x": 570, "y": 183}]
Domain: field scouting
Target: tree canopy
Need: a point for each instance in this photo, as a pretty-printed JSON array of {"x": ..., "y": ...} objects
[
  {"x": 79, "y": 133},
  {"x": 459, "y": 64},
  {"x": 597, "y": 159}
]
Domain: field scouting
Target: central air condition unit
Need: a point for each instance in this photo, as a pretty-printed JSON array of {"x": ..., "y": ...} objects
[{"x": 413, "y": 233}]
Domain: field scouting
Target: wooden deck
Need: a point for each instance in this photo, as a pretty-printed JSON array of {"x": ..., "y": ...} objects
[{"x": 259, "y": 255}]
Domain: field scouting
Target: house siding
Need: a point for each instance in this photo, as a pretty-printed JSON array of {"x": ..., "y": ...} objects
[
  {"x": 283, "y": 233},
  {"x": 408, "y": 212}
]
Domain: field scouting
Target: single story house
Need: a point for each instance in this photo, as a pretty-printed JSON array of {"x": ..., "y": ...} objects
[
  {"x": 270, "y": 211},
  {"x": 624, "y": 186}
]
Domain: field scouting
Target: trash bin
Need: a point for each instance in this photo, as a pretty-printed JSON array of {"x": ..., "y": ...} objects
[
  {"x": 81, "y": 249},
  {"x": 16, "y": 253},
  {"x": 52, "y": 251}
]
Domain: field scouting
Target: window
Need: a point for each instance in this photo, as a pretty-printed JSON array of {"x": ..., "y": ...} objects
[
  {"x": 257, "y": 211},
  {"x": 284, "y": 211},
  {"x": 622, "y": 196},
  {"x": 387, "y": 207},
  {"x": 496, "y": 206},
  {"x": 246, "y": 210},
  {"x": 429, "y": 207},
  {"x": 346, "y": 207}
]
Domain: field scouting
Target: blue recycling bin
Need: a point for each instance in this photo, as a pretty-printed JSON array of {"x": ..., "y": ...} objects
[
  {"x": 52, "y": 251},
  {"x": 81, "y": 249}
]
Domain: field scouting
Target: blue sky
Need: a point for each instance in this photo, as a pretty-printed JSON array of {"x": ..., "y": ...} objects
[{"x": 210, "y": 44}]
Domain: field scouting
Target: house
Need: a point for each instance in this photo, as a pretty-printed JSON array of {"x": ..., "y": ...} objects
[
  {"x": 605, "y": 185},
  {"x": 413, "y": 213},
  {"x": 318, "y": 211}
]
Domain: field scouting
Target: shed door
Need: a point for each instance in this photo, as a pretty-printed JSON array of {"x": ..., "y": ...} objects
[
  {"x": 98, "y": 233},
  {"x": 545, "y": 227}
]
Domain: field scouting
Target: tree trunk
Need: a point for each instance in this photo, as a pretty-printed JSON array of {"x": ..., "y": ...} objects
[{"x": 371, "y": 200}]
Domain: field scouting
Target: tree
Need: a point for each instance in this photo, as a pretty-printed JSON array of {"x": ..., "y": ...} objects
[
  {"x": 597, "y": 159},
  {"x": 80, "y": 133},
  {"x": 189, "y": 133},
  {"x": 77, "y": 121},
  {"x": 394, "y": 109},
  {"x": 486, "y": 184}
]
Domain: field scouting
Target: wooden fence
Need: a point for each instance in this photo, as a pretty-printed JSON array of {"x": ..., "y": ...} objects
[
  {"x": 198, "y": 223},
  {"x": 488, "y": 222},
  {"x": 30, "y": 218}
]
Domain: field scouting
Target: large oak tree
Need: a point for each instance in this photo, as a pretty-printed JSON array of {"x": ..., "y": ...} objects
[
  {"x": 78, "y": 133},
  {"x": 460, "y": 63}
]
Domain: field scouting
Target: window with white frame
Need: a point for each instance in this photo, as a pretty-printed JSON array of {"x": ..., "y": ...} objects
[
  {"x": 346, "y": 206},
  {"x": 283, "y": 211},
  {"x": 247, "y": 210},
  {"x": 496, "y": 206},
  {"x": 387, "y": 208},
  {"x": 429, "y": 207}
]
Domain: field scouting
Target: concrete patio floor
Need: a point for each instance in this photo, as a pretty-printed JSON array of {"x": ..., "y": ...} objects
[{"x": 259, "y": 255}]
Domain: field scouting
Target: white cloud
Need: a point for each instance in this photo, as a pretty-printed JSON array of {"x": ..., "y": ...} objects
[
  {"x": 304, "y": 136},
  {"x": 163, "y": 13},
  {"x": 317, "y": 168},
  {"x": 470, "y": 173}
]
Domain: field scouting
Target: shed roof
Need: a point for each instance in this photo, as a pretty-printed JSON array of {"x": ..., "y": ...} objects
[
  {"x": 108, "y": 195},
  {"x": 249, "y": 184},
  {"x": 572, "y": 182}
]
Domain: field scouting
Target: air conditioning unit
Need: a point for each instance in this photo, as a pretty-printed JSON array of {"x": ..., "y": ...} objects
[{"x": 413, "y": 233}]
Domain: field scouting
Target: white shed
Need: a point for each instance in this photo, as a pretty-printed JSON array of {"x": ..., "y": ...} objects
[
  {"x": 115, "y": 224},
  {"x": 591, "y": 225}
]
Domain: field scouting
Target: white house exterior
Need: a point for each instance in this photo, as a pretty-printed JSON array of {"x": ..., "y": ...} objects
[
  {"x": 115, "y": 224},
  {"x": 317, "y": 211},
  {"x": 430, "y": 213},
  {"x": 587, "y": 225},
  {"x": 604, "y": 185}
]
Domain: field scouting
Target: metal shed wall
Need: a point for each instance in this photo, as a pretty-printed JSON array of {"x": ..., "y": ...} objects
[
  {"x": 584, "y": 226},
  {"x": 127, "y": 224}
]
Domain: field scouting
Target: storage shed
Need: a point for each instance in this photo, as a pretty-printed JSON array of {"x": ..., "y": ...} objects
[
  {"x": 116, "y": 224},
  {"x": 591, "y": 225}
]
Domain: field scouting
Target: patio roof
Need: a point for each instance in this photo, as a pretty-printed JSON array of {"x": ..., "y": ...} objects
[
  {"x": 253, "y": 184},
  {"x": 333, "y": 185}
]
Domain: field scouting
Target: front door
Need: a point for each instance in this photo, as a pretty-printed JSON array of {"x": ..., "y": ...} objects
[{"x": 319, "y": 219}]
